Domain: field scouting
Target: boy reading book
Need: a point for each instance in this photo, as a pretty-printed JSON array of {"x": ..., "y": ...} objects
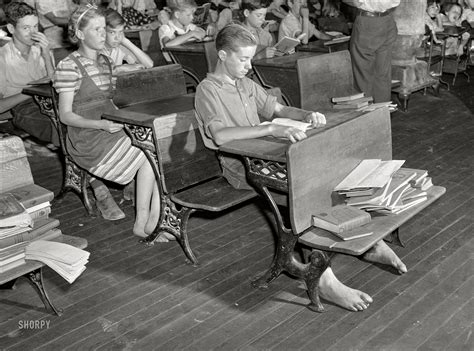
[{"x": 228, "y": 106}]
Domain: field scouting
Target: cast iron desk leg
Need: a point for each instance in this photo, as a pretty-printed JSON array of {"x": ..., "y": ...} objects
[{"x": 36, "y": 277}]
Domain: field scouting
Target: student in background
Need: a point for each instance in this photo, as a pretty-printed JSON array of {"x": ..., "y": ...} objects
[
  {"x": 452, "y": 16},
  {"x": 23, "y": 59},
  {"x": 119, "y": 48},
  {"x": 433, "y": 19},
  {"x": 84, "y": 83},
  {"x": 254, "y": 12},
  {"x": 180, "y": 28},
  {"x": 297, "y": 23},
  {"x": 277, "y": 10},
  {"x": 229, "y": 107}
]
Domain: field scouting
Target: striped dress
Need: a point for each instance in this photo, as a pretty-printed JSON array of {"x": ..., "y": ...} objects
[{"x": 106, "y": 155}]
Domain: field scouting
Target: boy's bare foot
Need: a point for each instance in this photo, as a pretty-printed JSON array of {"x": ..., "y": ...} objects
[
  {"x": 331, "y": 289},
  {"x": 382, "y": 253}
]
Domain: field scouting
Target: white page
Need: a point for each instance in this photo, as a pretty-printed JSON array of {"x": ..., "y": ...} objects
[{"x": 380, "y": 176}]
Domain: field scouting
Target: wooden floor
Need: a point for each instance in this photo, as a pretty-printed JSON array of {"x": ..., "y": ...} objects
[{"x": 133, "y": 297}]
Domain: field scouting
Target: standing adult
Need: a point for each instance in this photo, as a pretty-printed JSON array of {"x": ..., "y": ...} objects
[{"x": 373, "y": 35}]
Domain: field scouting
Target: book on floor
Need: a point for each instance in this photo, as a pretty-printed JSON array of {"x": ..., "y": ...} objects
[
  {"x": 340, "y": 218},
  {"x": 32, "y": 195}
]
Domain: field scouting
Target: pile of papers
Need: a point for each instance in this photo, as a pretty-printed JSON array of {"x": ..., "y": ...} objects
[
  {"x": 385, "y": 187},
  {"x": 68, "y": 261}
]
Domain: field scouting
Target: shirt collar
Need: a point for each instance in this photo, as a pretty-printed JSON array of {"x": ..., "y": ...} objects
[
  {"x": 15, "y": 52},
  {"x": 226, "y": 81}
]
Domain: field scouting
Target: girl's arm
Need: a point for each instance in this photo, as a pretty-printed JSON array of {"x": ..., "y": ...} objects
[
  {"x": 140, "y": 55},
  {"x": 69, "y": 118}
]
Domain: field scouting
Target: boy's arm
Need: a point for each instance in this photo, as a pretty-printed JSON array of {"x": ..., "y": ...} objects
[
  {"x": 41, "y": 41},
  {"x": 143, "y": 58},
  {"x": 316, "y": 118},
  {"x": 199, "y": 33},
  {"x": 57, "y": 20},
  {"x": 304, "y": 12}
]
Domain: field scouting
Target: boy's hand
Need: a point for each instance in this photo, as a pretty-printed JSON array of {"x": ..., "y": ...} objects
[
  {"x": 290, "y": 133},
  {"x": 41, "y": 41},
  {"x": 111, "y": 127},
  {"x": 316, "y": 119},
  {"x": 270, "y": 52},
  {"x": 199, "y": 33}
]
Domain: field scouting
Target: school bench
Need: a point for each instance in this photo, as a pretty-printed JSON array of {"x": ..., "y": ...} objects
[
  {"x": 307, "y": 172},
  {"x": 131, "y": 87}
]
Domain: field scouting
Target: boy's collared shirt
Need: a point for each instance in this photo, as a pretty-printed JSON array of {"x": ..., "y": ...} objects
[
  {"x": 291, "y": 26},
  {"x": 171, "y": 31},
  {"x": 120, "y": 54},
  {"x": 220, "y": 103},
  {"x": 16, "y": 71},
  {"x": 373, "y": 5}
]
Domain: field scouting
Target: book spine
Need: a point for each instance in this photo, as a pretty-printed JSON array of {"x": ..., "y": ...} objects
[
  {"x": 355, "y": 222},
  {"x": 40, "y": 228},
  {"x": 32, "y": 195},
  {"x": 42, "y": 213}
]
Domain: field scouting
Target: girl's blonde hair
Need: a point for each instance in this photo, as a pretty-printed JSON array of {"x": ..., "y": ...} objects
[{"x": 80, "y": 19}]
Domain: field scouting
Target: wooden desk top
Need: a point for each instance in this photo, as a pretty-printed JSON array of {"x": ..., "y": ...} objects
[
  {"x": 190, "y": 47},
  {"x": 453, "y": 31},
  {"x": 143, "y": 114},
  {"x": 275, "y": 149},
  {"x": 314, "y": 46},
  {"x": 285, "y": 61},
  {"x": 39, "y": 89},
  {"x": 30, "y": 266}
]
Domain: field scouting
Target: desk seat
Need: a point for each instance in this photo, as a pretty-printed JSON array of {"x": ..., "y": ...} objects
[{"x": 214, "y": 195}]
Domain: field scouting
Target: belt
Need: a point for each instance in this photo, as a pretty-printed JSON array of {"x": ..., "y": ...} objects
[{"x": 375, "y": 14}]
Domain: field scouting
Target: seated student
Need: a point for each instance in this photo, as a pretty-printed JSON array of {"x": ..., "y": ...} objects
[
  {"x": 25, "y": 58},
  {"x": 254, "y": 12},
  {"x": 277, "y": 10},
  {"x": 229, "y": 107},
  {"x": 136, "y": 12},
  {"x": 297, "y": 23},
  {"x": 433, "y": 20},
  {"x": 228, "y": 15},
  {"x": 84, "y": 83},
  {"x": 119, "y": 48},
  {"x": 180, "y": 28},
  {"x": 468, "y": 12},
  {"x": 54, "y": 16},
  {"x": 452, "y": 17}
]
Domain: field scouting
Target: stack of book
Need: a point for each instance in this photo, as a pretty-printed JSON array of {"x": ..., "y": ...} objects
[
  {"x": 353, "y": 101},
  {"x": 345, "y": 222},
  {"x": 24, "y": 206},
  {"x": 68, "y": 261},
  {"x": 406, "y": 188}
]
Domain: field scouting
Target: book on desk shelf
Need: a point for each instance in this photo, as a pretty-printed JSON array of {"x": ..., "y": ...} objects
[
  {"x": 12, "y": 213},
  {"x": 40, "y": 227},
  {"x": 288, "y": 122},
  {"x": 340, "y": 218},
  {"x": 369, "y": 173},
  {"x": 68, "y": 261},
  {"x": 346, "y": 98},
  {"x": 337, "y": 39}
]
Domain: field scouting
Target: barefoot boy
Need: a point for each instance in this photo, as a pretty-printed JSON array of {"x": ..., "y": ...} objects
[{"x": 228, "y": 106}]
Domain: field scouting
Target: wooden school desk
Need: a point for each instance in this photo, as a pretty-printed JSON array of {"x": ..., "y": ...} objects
[
  {"x": 33, "y": 270},
  {"x": 280, "y": 72},
  {"x": 196, "y": 58},
  {"x": 307, "y": 172},
  {"x": 318, "y": 46}
]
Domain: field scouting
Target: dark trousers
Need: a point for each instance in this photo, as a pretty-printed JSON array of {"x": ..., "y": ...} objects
[
  {"x": 371, "y": 53},
  {"x": 28, "y": 117}
]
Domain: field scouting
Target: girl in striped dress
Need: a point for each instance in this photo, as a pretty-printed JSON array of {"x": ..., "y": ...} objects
[{"x": 85, "y": 85}]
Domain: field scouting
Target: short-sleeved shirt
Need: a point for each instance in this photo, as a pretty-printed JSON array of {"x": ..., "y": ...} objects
[
  {"x": 16, "y": 71},
  {"x": 171, "y": 31},
  {"x": 221, "y": 104},
  {"x": 291, "y": 26},
  {"x": 68, "y": 77},
  {"x": 120, "y": 54}
]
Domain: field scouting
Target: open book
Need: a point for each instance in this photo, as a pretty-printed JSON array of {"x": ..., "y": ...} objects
[
  {"x": 288, "y": 122},
  {"x": 286, "y": 44}
]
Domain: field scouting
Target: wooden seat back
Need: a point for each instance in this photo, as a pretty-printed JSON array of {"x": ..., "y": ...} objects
[
  {"x": 183, "y": 158},
  {"x": 150, "y": 84},
  {"x": 317, "y": 164},
  {"x": 323, "y": 77}
]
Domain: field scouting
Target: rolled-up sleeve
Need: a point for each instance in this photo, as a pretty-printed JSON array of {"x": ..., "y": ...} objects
[
  {"x": 66, "y": 77},
  {"x": 265, "y": 102}
]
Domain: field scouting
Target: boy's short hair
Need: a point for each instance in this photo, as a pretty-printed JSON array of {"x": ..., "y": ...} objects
[
  {"x": 181, "y": 5},
  {"x": 233, "y": 37},
  {"x": 113, "y": 19},
  {"x": 252, "y": 5},
  {"x": 17, "y": 10},
  {"x": 448, "y": 6}
]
